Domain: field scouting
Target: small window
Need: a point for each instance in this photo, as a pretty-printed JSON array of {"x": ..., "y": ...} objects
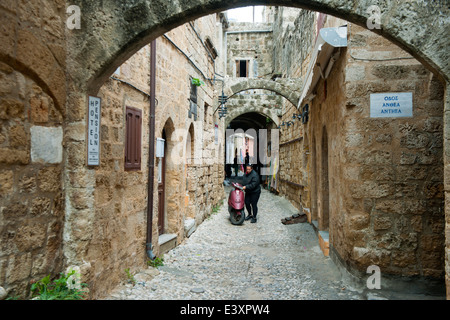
[
  {"x": 242, "y": 67},
  {"x": 133, "y": 139},
  {"x": 193, "y": 92},
  {"x": 209, "y": 45},
  {"x": 193, "y": 101},
  {"x": 206, "y": 113}
]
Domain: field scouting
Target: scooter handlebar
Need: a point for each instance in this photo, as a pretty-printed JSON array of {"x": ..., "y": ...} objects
[{"x": 237, "y": 185}]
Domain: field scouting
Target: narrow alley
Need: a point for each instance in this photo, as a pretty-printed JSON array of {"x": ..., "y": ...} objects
[
  {"x": 122, "y": 123},
  {"x": 254, "y": 261}
]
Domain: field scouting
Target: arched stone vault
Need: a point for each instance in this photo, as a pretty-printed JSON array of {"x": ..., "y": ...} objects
[
  {"x": 112, "y": 31},
  {"x": 287, "y": 88},
  {"x": 268, "y": 112}
]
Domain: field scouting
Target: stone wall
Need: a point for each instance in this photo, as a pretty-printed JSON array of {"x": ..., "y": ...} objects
[
  {"x": 293, "y": 28},
  {"x": 252, "y": 42},
  {"x": 392, "y": 168},
  {"x": 385, "y": 177},
  {"x": 120, "y": 196},
  {"x": 120, "y": 222},
  {"x": 102, "y": 216},
  {"x": 266, "y": 103},
  {"x": 31, "y": 192},
  {"x": 32, "y": 109},
  {"x": 295, "y": 33}
]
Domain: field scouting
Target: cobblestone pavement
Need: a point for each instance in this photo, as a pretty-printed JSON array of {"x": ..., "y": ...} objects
[{"x": 263, "y": 260}]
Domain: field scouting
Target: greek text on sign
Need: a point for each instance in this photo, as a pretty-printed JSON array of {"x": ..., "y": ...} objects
[
  {"x": 391, "y": 105},
  {"x": 93, "y": 134}
]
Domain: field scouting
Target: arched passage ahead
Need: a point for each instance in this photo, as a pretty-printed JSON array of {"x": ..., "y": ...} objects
[{"x": 244, "y": 137}]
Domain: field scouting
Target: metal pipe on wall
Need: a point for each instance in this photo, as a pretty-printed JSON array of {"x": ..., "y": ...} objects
[{"x": 151, "y": 150}]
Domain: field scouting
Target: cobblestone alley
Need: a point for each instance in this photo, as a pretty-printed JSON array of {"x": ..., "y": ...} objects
[{"x": 263, "y": 260}]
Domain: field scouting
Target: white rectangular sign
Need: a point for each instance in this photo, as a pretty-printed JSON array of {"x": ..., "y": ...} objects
[
  {"x": 391, "y": 105},
  {"x": 93, "y": 134}
]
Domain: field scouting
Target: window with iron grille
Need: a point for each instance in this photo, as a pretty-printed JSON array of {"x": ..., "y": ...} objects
[{"x": 133, "y": 138}]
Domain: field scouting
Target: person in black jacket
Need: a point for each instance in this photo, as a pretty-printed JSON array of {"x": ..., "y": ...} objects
[{"x": 252, "y": 190}]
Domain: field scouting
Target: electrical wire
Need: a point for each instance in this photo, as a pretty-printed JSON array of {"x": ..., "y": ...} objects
[{"x": 367, "y": 59}]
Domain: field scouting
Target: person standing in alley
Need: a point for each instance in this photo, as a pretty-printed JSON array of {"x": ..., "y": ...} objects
[{"x": 252, "y": 188}]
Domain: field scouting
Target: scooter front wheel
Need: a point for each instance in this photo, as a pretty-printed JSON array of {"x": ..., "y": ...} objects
[{"x": 237, "y": 217}]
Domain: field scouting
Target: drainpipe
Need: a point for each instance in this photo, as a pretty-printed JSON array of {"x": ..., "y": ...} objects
[{"x": 151, "y": 151}]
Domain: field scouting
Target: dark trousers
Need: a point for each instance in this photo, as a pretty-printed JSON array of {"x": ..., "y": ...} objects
[{"x": 251, "y": 202}]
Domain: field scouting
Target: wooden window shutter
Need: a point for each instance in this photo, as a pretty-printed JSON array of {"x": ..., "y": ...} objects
[{"x": 133, "y": 139}]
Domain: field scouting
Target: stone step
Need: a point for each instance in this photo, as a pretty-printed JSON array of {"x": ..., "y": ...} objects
[
  {"x": 324, "y": 242},
  {"x": 167, "y": 242},
  {"x": 307, "y": 211},
  {"x": 324, "y": 238},
  {"x": 189, "y": 227},
  {"x": 315, "y": 225}
]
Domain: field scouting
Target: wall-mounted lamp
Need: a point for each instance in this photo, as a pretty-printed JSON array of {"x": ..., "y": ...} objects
[{"x": 305, "y": 114}]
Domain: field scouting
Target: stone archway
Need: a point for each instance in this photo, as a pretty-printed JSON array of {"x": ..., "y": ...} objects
[
  {"x": 112, "y": 31},
  {"x": 94, "y": 55},
  {"x": 287, "y": 88},
  {"x": 271, "y": 113}
]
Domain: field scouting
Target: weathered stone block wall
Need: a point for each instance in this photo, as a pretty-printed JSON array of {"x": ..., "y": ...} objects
[
  {"x": 295, "y": 34},
  {"x": 31, "y": 192},
  {"x": 120, "y": 197},
  {"x": 385, "y": 176},
  {"x": 32, "y": 38},
  {"x": 293, "y": 173},
  {"x": 254, "y": 46},
  {"x": 203, "y": 175},
  {"x": 118, "y": 227},
  {"x": 325, "y": 128},
  {"x": 393, "y": 168},
  {"x": 266, "y": 103}
]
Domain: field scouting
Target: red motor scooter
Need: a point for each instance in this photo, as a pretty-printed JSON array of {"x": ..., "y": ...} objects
[{"x": 236, "y": 204}]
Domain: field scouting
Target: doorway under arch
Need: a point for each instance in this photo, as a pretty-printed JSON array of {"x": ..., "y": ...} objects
[{"x": 324, "y": 213}]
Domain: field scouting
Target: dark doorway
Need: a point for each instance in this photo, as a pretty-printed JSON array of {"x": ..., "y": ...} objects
[
  {"x": 324, "y": 221},
  {"x": 161, "y": 188}
]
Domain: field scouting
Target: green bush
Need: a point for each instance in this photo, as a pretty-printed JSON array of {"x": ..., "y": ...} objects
[
  {"x": 158, "y": 262},
  {"x": 63, "y": 288}
]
